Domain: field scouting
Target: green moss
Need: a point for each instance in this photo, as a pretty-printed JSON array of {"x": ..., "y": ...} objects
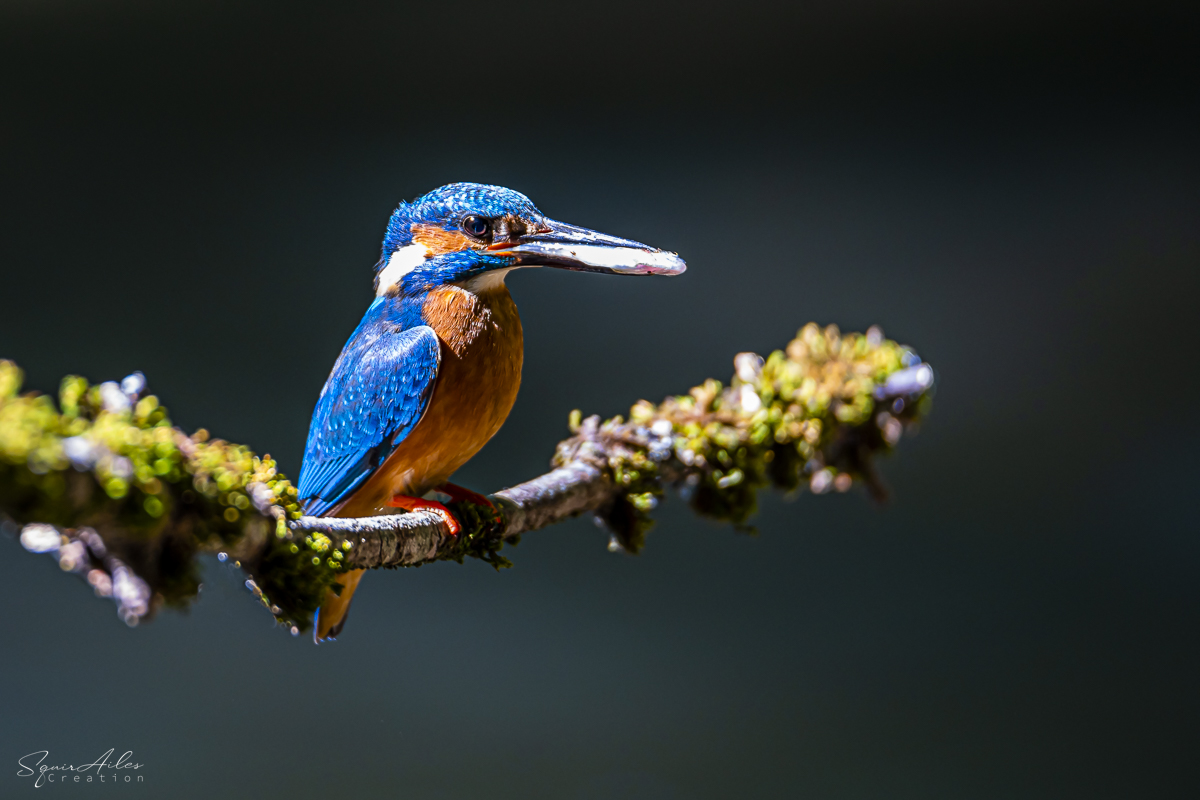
[
  {"x": 157, "y": 496},
  {"x": 480, "y": 536},
  {"x": 803, "y": 416}
]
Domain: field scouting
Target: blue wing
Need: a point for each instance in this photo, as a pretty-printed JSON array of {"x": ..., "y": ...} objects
[{"x": 377, "y": 393}]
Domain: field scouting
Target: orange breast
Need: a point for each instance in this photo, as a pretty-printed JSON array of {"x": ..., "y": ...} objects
[{"x": 477, "y": 383}]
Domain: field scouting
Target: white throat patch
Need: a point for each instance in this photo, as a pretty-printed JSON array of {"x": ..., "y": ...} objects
[
  {"x": 489, "y": 281},
  {"x": 402, "y": 262}
]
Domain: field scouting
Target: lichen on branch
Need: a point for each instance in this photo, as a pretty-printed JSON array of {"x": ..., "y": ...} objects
[
  {"x": 108, "y": 477},
  {"x": 108, "y": 486},
  {"x": 814, "y": 414}
]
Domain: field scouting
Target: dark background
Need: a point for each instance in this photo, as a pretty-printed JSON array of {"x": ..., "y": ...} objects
[{"x": 199, "y": 192}]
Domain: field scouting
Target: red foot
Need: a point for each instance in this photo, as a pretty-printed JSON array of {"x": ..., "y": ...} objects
[
  {"x": 459, "y": 494},
  {"x": 418, "y": 504}
]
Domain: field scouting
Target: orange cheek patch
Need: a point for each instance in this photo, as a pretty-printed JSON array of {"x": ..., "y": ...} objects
[{"x": 439, "y": 241}]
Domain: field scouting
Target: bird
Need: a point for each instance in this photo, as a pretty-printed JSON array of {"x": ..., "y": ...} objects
[{"x": 432, "y": 370}]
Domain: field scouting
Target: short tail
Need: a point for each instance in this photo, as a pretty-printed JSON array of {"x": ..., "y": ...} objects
[{"x": 331, "y": 617}]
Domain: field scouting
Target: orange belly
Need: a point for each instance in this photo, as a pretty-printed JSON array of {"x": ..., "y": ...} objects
[{"x": 477, "y": 383}]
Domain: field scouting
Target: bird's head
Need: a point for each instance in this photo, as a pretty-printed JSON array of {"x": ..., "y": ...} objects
[{"x": 470, "y": 232}]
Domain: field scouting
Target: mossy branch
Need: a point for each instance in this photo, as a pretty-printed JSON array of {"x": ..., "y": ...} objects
[{"x": 117, "y": 495}]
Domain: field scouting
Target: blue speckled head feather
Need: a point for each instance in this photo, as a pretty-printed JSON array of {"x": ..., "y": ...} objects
[
  {"x": 449, "y": 204},
  {"x": 427, "y": 245}
]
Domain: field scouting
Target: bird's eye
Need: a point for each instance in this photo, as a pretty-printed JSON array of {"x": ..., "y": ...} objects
[{"x": 479, "y": 227}]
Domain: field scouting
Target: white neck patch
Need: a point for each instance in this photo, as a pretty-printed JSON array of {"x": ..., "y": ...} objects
[
  {"x": 487, "y": 282},
  {"x": 402, "y": 262}
]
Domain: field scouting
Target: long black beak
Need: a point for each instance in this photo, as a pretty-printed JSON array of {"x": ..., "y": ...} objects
[{"x": 558, "y": 244}]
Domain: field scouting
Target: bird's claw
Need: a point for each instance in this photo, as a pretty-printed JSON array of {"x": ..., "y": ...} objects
[
  {"x": 461, "y": 494},
  {"x": 420, "y": 504}
]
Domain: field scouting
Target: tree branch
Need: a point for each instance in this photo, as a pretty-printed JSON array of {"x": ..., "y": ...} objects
[
  {"x": 402, "y": 540},
  {"x": 108, "y": 487}
]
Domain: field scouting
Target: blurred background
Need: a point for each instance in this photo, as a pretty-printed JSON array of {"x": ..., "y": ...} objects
[{"x": 198, "y": 190}]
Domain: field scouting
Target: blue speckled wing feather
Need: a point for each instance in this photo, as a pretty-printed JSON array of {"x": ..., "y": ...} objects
[{"x": 377, "y": 393}]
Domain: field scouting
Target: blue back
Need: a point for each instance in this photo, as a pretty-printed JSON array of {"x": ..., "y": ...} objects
[{"x": 377, "y": 393}]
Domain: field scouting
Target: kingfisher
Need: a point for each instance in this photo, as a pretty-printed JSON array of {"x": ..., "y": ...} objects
[{"x": 432, "y": 370}]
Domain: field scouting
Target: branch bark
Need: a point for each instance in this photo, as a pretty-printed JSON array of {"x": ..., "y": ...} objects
[{"x": 400, "y": 540}]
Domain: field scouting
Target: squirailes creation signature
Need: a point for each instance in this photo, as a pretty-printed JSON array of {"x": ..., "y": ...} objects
[{"x": 123, "y": 769}]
